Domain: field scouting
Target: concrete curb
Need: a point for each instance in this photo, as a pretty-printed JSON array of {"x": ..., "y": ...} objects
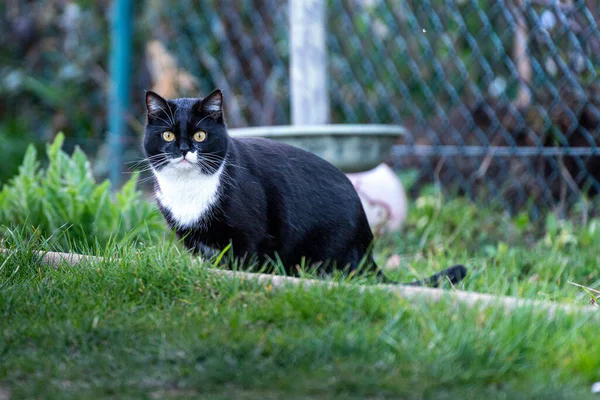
[{"x": 429, "y": 295}]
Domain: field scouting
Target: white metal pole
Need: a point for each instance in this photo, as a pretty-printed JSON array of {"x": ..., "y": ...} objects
[{"x": 308, "y": 62}]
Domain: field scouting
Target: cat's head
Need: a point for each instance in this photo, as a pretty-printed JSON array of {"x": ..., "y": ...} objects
[{"x": 185, "y": 134}]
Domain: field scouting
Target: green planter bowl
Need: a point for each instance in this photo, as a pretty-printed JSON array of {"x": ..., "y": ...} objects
[{"x": 351, "y": 148}]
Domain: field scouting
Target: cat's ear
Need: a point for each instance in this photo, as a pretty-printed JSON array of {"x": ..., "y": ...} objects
[
  {"x": 212, "y": 104},
  {"x": 155, "y": 104}
]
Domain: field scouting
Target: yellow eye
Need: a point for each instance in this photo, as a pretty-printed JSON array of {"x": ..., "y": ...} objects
[
  {"x": 199, "y": 136},
  {"x": 168, "y": 136}
]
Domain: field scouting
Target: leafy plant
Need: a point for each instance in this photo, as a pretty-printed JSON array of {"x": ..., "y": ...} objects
[{"x": 63, "y": 201}]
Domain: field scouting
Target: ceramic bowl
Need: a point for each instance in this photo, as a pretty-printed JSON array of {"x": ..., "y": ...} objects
[{"x": 351, "y": 148}]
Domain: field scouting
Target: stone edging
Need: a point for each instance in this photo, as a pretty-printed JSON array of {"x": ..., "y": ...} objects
[{"x": 429, "y": 295}]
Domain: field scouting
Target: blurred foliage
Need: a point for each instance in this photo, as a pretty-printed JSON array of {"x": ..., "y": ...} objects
[
  {"x": 64, "y": 201},
  {"x": 53, "y": 73},
  {"x": 13, "y": 144},
  {"x": 52, "y": 66}
]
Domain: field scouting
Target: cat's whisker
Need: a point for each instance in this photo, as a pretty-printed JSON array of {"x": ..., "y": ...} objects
[
  {"x": 163, "y": 127},
  {"x": 227, "y": 178},
  {"x": 170, "y": 115},
  {"x": 170, "y": 124},
  {"x": 198, "y": 123},
  {"x": 140, "y": 171},
  {"x": 136, "y": 163},
  {"x": 146, "y": 179},
  {"x": 167, "y": 122},
  {"x": 152, "y": 156},
  {"x": 136, "y": 169},
  {"x": 214, "y": 156},
  {"x": 150, "y": 168},
  {"x": 144, "y": 170},
  {"x": 219, "y": 159},
  {"x": 211, "y": 168},
  {"x": 157, "y": 158},
  {"x": 209, "y": 158}
]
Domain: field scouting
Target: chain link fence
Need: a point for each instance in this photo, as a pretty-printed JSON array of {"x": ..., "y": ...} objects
[{"x": 501, "y": 98}]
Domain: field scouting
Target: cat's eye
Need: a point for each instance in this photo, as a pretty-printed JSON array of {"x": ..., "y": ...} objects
[
  {"x": 199, "y": 136},
  {"x": 168, "y": 136}
]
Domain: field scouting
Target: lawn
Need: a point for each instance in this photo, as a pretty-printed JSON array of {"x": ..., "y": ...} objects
[{"x": 155, "y": 324}]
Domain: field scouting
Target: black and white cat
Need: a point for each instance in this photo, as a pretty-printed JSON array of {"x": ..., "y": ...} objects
[{"x": 268, "y": 199}]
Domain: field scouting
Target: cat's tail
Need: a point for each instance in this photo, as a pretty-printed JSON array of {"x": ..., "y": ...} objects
[{"x": 454, "y": 274}]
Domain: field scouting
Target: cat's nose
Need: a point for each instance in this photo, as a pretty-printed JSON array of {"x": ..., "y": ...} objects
[{"x": 184, "y": 149}]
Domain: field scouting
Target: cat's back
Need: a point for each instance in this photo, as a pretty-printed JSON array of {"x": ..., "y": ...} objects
[{"x": 276, "y": 160}]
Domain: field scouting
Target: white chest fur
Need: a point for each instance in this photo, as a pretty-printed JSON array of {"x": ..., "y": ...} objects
[{"x": 187, "y": 193}]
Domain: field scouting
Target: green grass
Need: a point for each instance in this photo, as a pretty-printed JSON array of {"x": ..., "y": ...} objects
[{"x": 155, "y": 325}]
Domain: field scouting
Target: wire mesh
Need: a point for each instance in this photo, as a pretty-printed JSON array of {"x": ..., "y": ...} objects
[{"x": 500, "y": 98}]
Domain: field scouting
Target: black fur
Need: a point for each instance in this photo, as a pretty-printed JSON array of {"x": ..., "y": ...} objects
[{"x": 275, "y": 201}]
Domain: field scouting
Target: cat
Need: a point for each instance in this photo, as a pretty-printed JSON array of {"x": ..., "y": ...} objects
[{"x": 269, "y": 200}]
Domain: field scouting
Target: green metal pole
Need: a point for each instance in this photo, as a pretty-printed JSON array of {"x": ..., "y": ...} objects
[{"x": 120, "y": 62}]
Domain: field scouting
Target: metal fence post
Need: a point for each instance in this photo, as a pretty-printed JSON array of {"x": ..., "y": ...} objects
[
  {"x": 120, "y": 63},
  {"x": 308, "y": 62}
]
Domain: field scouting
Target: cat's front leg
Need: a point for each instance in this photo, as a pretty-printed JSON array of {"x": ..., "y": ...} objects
[{"x": 196, "y": 246}]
